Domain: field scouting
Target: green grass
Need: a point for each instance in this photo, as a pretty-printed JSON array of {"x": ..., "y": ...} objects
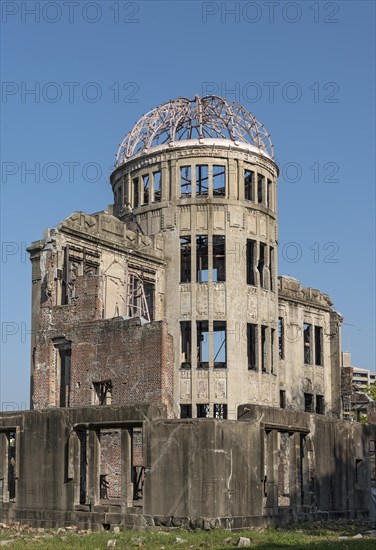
[{"x": 299, "y": 537}]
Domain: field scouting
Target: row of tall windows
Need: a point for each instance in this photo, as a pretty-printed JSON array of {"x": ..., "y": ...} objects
[
  {"x": 258, "y": 188},
  {"x": 200, "y": 180},
  {"x": 260, "y": 348},
  {"x": 312, "y": 343},
  {"x": 204, "y": 247},
  {"x": 145, "y": 189},
  {"x": 260, "y": 264},
  {"x": 203, "y": 410},
  {"x": 210, "y": 344}
]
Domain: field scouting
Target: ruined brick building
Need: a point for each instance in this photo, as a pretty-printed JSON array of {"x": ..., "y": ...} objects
[{"x": 164, "y": 310}]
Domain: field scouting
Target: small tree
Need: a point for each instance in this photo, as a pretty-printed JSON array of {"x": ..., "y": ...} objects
[{"x": 371, "y": 391}]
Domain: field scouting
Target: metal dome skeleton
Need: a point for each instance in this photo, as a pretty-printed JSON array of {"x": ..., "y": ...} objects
[{"x": 198, "y": 118}]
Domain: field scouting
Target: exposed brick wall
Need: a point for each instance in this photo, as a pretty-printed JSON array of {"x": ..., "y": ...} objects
[{"x": 137, "y": 359}]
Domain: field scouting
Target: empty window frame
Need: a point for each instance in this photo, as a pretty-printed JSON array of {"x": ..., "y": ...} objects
[
  {"x": 202, "y": 344},
  {"x": 219, "y": 335},
  {"x": 185, "y": 181},
  {"x": 282, "y": 399},
  {"x": 261, "y": 264},
  {"x": 271, "y": 267},
  {"x": 203, "y": 410},
  {"x": 185, "y": 259},
  {"x": 136, "y": 199},
  {"x": 269, "y": 199},
  {"x": 264, "y": 352},
  {"x": 12, "y": 457},
  {"x": 272, "y": 339},
  {"x": 260, "y": 188},
  {"x": 149, "y": 291},
  {"x": 281, "y": 338},
  {"x": 145, "y": 186},
  {"x": 63, "y": 360},
  {"x": 308, "y": 402},
  {"x": 102, "y": 392},
  {"x": 320, "y": 407},
  {"x": 219, "y": 258},
  {"x": 186, "y": 344},
  {"x": 252, "y": 346},
  {"x": 202, "y": 180},
  {"x": 251, "y": 255},
  {"x": 318, "y": 346},
  {"x": 249, "y": 177},
  {"x": 185, "y": 410},
  {"x": 202, "y": 267},
  {"x": 157, "y": 186},
  {"x": 219, "y": 181},
  {"x": 220, "y": 410},
  {"x": 307, "y": 341}
]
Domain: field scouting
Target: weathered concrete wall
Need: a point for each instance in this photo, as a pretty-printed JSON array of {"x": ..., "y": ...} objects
[
  {"x": 299, "y": 305},
  {"x": 269, "y": 466}
]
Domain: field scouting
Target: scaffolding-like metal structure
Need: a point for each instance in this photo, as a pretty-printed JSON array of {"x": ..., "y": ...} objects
[{"x": 198, "y": 118}]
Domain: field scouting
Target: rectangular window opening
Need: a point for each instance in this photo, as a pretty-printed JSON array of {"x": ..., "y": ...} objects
[
  {"x": 308, "y": 402},
  {"x": 263, "y": 349},
  {"x": 202, "y": 268},
  {"x": 252, "y": 346},
  {"x": 202, "y": 180},
  {"x": 248, "y": 185},
  {"x": 64, "y": 352},
  {"x": 83, "y": 437},
  {"x": 320, "y": 408},
  {"x": 12, "y": 457},
  {"x": 102, "y": 392},
  {"x": 185, "y": 410},
  {"x": 220, "y": 410},
  {"x": 271, "y": 267},
  {"x": 282, "y": 399},
  {"x": 202, "y": 344},
  {"x": 203, "y": 410},
  {"x": 318, "y": 346},
  {"x": 307, "y": 343},
  {"x": 157, "y": 186},
  {"x": 251, "y": 247},
  {"x": 272, "y": 338},
  {"x": 219, "y": 181},
  {"x": 219, "y": 330},
  {"x": 145, "y": 183},
  {"x": 269, "y": 193},
  {"x": 149, "y": 291},
  {"x": 185, "y": 181},
  {"x": 260, "y": 189},
  {"x": 281, "y": 338},
  {"x": 219, "y": 258},
  {"x": 261, "y": 264},
  {"x": 135, "y": 193},
  {"x": 185, "y": 259},
  {"x": 186, "y": 344}
]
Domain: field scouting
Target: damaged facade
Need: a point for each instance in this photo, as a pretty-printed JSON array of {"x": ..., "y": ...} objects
[{"x": 167, "y": 308}]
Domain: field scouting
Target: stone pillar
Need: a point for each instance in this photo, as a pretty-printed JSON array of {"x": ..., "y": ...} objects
[
  {"x": 126, "y": 468},
  {"x": 93, "y": 474},
  {"x": 295, "y": 471},
  {"x": 271, "y": 459}
]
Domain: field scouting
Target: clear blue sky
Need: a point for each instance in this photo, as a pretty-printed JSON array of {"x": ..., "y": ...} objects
[{"x": 98, "y": 66}]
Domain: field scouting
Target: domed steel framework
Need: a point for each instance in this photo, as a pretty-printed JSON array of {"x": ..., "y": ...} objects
[{"x": 198, "y": 118}]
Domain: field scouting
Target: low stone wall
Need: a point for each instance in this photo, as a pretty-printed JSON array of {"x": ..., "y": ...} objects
[{"x": 271, "y": 466}]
